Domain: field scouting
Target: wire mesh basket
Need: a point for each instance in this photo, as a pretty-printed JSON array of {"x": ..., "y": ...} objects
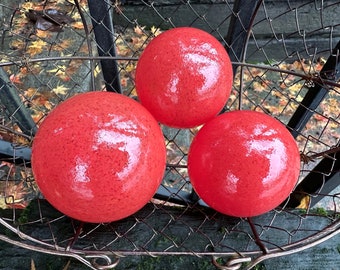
[{"x": 286, "y": 64}]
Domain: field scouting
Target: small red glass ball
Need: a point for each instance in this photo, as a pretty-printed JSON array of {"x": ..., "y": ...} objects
[
  {"x": 243, "y": 163},
  {"x": 184, "y": 77},
  {"x": 98, "y": 157}
]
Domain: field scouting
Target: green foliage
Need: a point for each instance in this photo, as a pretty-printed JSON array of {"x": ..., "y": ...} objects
[
  {"x": 24, "y": 216},
  {"x": 338, "y": 248},
  {"x": 260, "y": 266},
  {"x": 321, "y": 211},
  {"x": 149, "y": 263}
]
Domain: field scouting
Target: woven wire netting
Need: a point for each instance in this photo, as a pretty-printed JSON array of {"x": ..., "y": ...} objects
[{"x": 283, "y": 55}]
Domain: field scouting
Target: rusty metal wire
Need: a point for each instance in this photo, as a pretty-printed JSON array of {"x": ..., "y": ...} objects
[{"x": 278, "y": 55}]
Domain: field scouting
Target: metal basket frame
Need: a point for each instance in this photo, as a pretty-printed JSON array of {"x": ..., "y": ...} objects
[{"x": 175, "y": 204}]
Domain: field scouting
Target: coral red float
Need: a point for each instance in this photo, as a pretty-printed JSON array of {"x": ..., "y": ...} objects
[
  {"x": 243, "y": 163},
  {"x": 98, "y": 157},
  {"x": 184, "y": 77}
]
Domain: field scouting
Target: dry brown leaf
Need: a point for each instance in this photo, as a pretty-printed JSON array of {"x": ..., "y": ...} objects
[
  {"x": 37, "y": 116},
  {"x": 41, "y": 100},
  {"x": 24, "y": 70},
  {"x": 42, "y": 34},
  {"x": 16, "y": 79},
  {"x": 124, "y": 81},
  {"x": 30, "y": 92},
  {"x": 139, "y": 30},
  {"x": 32, "y": 265},
  {"x": 73, "y": 67},
  {"x": 297, "y": 65},
  {"x": 66, "y": 267},
  {"x": 64, "y": 44},
  {"x": 17, "y": 44},
  {"x": 78, "y": 25},
  {"x": 12, "y": 195},
  {"x": 257, "y": 86}
]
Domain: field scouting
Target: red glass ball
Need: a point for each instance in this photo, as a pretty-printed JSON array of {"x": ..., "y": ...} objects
[
  {"x": 98, "y": 157},
  {"x": 184, "y": 77},
  {"x": 243, "y": 163}
]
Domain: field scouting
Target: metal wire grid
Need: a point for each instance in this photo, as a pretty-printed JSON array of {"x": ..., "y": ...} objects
[{"x": 275, "y": 68}]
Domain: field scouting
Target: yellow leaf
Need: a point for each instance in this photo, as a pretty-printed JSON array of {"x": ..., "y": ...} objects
[
  {"x": 333, "y": 125},
  {"x": 76, "y": 16},
  {"x": 293, "y": 89},
  {"x": 130, "y": 67},
  {"x": 97, "y": 71},
  {"x": 3, "y": 204},
  {"x": 299, "y": 98},
  {"x": 60, "y": 90},
  {"x": 58, "y": 71},
  {"x": 27, "y": 6},
  {"x": 155, "y": 31},
  {"x": 304, "y": 203},
  {"x": 37, "y": 47},
  {"x": 333, "y": 102}
]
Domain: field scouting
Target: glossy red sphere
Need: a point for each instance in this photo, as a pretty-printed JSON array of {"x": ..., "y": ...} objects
[
  {"x": 98, "y": 157},
  {"x": 243, "y": 163},
  {"x": 184, "y": 77}
]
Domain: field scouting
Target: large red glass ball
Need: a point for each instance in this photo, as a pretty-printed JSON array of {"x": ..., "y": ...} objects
[
  {"x": 243, "y": 163},
  {"x": 98, "y": 157},
  {"x": 184, "y": 77}
]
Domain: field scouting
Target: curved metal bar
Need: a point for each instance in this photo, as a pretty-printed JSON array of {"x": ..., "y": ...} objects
[
  {"x": 295, "y": 247},
  {"x": 109, "y": 264},
  {"x": 288, "y": 252},
  {"x": 232, "y": 264}
]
